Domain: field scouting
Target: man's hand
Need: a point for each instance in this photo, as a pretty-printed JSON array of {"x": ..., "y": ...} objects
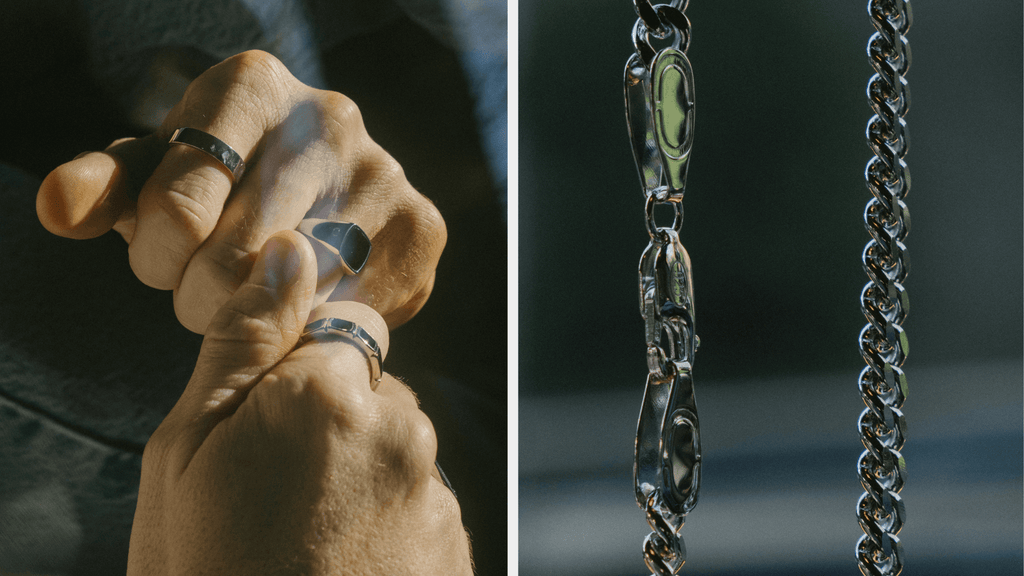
[
  {"x": 194, "y": 231},
  {"x": 283, "y": 461}
]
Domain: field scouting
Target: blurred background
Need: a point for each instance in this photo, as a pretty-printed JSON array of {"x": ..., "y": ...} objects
[{"x": 774, "y": 205}]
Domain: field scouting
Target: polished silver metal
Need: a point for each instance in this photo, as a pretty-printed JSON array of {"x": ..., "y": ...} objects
[
  {"x": 326, "y": 328},
  {"x": 660, "y": 22},
  {"x": 659, "y": 113},
  {"x": 213, "y": 146},
  {"x": 659, "y": 95},
  {"x": 884, "y": 302}
]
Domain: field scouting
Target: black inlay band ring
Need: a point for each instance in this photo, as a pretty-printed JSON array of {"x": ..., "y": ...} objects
[
  {"x": 325, "y": 328},
  {"x": 213, "y": 146}
]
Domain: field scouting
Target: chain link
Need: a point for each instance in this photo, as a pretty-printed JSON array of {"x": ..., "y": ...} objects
[
  {"x": 661, "y": 22},
  {"x": 884, "y": 302},
  {"x": 659, "y": 112}
]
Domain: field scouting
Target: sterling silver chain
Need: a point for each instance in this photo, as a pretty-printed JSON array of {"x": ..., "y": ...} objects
[
  {"x": 883, "y": 344},
  {"x": 659, "y": 113}
]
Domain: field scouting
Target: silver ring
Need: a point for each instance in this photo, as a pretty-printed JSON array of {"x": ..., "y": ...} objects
[
  {"x": 345, "y": 239},
  {"x": 213, "y": 146},
  {"x": 326, "y": 328}
]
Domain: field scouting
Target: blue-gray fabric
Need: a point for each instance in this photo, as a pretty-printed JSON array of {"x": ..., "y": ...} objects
[{"x": 80, "y": 392}]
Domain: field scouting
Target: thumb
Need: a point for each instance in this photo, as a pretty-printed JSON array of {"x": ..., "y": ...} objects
[{"x": 256, "y": 328}]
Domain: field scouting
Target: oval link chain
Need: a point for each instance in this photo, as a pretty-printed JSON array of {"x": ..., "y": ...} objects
[
  {"x": 659, "y": 113},
  {"x": 883, "y": 343}
]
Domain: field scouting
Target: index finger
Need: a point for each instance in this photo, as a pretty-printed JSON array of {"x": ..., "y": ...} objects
[{"x": 235, "y": 103}]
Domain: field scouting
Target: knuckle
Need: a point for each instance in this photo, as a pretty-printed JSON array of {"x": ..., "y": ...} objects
[
  {"x": 263, "y": 78},
  {"x": 190, "y": 206},
  {"x": 414, "y": 452},
  {"x": 235, "y": 322},
  {"x": 404, "y": 437},
  {"x": 415, "y": 235},
  {"x": 414, "y": 211},
  {"x": 226, "y": 264},
  {"x": 341, "y": 109},
  {"x": 429, "y": 221},
  {"x": 238, "y": 324},
  {"x": 342, "y": 121},
  {"x": 189, "y": 317},
  {"x": 422, "y": 438},
  {"x": 386, "y": 172},
  {"x": 196, "y": 303},
  {"x": 211, "y": 276},
  {"x": 319, "y": 391},
  {"x": 255, "y": 68},
  {"x": 348, "y": 410},
  {"x": 254, "y": 83},
  {"x": 155, "y": 264},
  {"x": 419, "y": 220},
  {"x": 256, "y": 62}
]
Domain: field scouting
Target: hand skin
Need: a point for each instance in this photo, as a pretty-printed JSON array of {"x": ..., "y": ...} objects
[
  {"x": 194, "y": 231},
  {"x": 282, "y": 461}
]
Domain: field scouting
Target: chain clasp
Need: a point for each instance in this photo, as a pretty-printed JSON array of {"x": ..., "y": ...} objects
[
  {"x": 659, "y": 114},
  {"x": 668, "y": 454}
]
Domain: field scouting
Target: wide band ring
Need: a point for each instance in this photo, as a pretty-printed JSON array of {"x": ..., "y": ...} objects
[
  {"x": 213, "y": 146},
  {"x": 327, "y": 328},
  {"x": 345, "y": 239}
]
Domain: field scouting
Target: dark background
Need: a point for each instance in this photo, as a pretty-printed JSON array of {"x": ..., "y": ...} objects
[
  {"x": 774, "y": 206},
  {"x": 775, "y": 195}
]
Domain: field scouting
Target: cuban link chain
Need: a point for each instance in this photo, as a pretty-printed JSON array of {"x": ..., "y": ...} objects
[
  {"x": 659, "y": 114},
  {"x": 883, "y": 343}
]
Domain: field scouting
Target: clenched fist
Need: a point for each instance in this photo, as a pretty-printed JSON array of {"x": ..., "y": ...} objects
[
  {"x": 192, "y": 229},
  {"x": 280, "y": 459}
]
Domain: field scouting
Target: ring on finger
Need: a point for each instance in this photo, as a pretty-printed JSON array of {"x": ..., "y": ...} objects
[
  {"x": 213, "y": 146},
  {"x": 326, "y": 329},
  {"x": 345, "y": 239}
]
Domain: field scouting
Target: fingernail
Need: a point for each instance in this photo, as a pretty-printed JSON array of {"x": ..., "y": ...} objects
[
  {"x": 278, "y": 264},
  {"x": 348, "y": 239}
]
